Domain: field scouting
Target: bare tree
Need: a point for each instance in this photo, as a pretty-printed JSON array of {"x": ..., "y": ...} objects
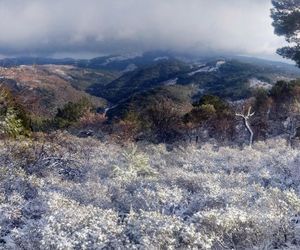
[{"x": 246, "y": 121}]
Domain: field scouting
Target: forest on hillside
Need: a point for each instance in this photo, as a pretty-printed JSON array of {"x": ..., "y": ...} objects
[
  {"x": 159, "y": 172},
  {"x": 156, "y": 150}
]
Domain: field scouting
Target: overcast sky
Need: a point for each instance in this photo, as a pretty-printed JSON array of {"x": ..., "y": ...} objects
[{"x": 95, "y": 27}]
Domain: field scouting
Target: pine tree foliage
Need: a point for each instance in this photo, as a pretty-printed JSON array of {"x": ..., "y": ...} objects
[
  {"x": 286, "y": 16},
  {"x": 11, "y": 125},
  {"x": 10, "y": 122}
]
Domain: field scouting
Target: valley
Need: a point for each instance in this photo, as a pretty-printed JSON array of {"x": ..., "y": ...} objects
[
  {"x": 150, "y": 125},
  {"x": 108, "y": 79}
]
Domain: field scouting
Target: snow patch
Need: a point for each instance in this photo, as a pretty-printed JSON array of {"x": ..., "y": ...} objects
[
  {"x": 203, "y": 69},
  {"x": 171, "y": 82},
  {"x": 220, "y": 63},
  {"x": 206, "y": 68},
  {"x": 119, "y": 58},
  {"x": 256, "y": 83},
  {"x": 129, "y": 68},
  {"x": 161, "y": 58},
  {"x": 62, "y": 74}
]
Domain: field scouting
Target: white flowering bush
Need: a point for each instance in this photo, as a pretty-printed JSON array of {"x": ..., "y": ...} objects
[{"x": 62, "y": 192}]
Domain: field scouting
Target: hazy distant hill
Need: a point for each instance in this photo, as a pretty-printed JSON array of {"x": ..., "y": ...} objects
[
  {"x": 226, "y": 77},
  {"x": 122, "y": 79},
  {"x": 231, "y": 78},
  {"x": 111, "y": 62}
]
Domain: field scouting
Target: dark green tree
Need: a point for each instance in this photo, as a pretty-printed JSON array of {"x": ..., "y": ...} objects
[
  {"x": 71, "y": 112},
  {"x": 14, "y": 120},
  {"x": 286, "y": 21}
]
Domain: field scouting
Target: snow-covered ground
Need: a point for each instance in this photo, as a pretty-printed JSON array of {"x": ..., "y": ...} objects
[
  {"x": 170, "y": 82},
  {"x": 120, "y": 58},
  {"x": 220, "y": 63},
  {"x": 129, "y": 68},
  {"x": 205, "y": 68},
  {"x": 161, "y": 58},
  {"x": 71, "y": 193},
  {"x": 256, "y": 83}
]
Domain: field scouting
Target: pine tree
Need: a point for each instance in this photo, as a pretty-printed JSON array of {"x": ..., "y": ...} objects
[
  {"x": 10, "y": 125},
  {"x": 286, "y": 21}
]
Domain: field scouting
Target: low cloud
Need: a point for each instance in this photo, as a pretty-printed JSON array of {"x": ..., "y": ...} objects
[{"x": 120, "y": 26}]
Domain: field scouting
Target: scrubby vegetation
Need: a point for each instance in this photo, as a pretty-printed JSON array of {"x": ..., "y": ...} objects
[
  {"x": 167, "y": 168},
  {"x": 159, "y": 150},
  {"x": 165, "y": 165},
  {"x": 154, "y": 176},
  {"x": 62, "y": 192},
  {"x": 168, "y": 114}
]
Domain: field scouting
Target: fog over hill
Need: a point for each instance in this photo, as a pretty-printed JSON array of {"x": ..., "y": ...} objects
[
  {"x": 149, "y": 124},
  {"x": 105, "y": 27}
]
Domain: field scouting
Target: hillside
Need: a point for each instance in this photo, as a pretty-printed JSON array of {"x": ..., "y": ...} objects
[
  {"x": 140, "y": 80},
  {"x": 156, "y": 101},
  {"x": 232, "y": 79},
  {"x": 150, "y": 125},
  {"x": 228, "y": 78},
  {"x": 180, "y": 96},
  {"x": 42, "y": 89},
  {"x": 118, "y": 77},
  {"x": 111, "y": 62},
  {"x": 70, "y": 193}
]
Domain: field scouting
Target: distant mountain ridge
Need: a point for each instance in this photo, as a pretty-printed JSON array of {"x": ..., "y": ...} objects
[
  {"x": 121, "y": 79},
  {"x": 229, "y": 78},
  {"x": 111, "y": 62},
  {"x": 123, "y": 62}
]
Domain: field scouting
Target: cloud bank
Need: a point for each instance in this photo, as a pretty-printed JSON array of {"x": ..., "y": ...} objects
[{"x": 120, "y": 26}]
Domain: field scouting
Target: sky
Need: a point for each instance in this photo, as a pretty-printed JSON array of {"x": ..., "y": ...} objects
[{"x": 87, "y": 28}]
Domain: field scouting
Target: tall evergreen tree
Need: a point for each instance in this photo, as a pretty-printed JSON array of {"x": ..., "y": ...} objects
[{"x": 286, "y": 21}]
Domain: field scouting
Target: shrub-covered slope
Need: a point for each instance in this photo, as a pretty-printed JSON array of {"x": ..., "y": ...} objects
[
  {"x": 70, "y": 193},
  {"x": 145, "y": 78},
  {"x": 43, "y": 89},
  {"x": 232, "y": 79}
]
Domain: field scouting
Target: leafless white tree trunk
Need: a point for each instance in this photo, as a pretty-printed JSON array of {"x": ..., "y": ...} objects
[{"x": 246, "y": 121}]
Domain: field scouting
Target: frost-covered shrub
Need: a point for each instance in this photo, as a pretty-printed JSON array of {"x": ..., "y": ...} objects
[
  {"x": 63, "y": 192},
  {"x": 137, "y": 164},
  {"x": 70, "y": 225},
  {"x": 154, "y": 230}
]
